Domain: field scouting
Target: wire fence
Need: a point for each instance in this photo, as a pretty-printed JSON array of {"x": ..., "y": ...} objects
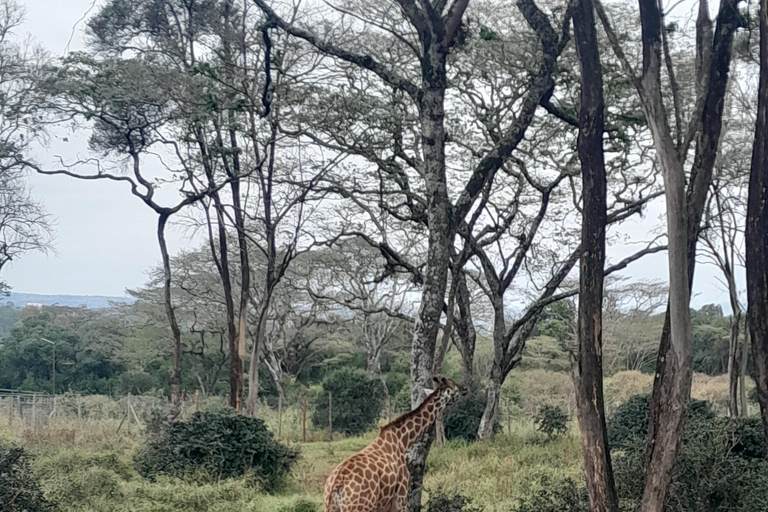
[{"x": 291, "y": 419}]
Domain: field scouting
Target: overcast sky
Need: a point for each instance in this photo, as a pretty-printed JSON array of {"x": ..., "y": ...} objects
[{"x": 105, "y": 237}]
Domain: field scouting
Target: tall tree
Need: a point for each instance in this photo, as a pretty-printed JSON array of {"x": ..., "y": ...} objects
[
  {"x": 756, "y": 239},
  {"x": 671, "y": 391},
  {"x": 436, "y": 25},
  {"x": 24, "y": 225},
  {"x": 723, "y": 246},
  {"x": 588, "y": 366},
  {"x": 126, "y": 105},
  {"x": 347, "y": 276}
]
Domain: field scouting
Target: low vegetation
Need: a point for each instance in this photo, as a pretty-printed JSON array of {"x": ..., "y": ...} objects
[{"x": 215, "y": 446}]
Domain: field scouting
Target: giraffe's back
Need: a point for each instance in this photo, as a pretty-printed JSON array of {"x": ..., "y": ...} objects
[{"x": 365, "y": 482}]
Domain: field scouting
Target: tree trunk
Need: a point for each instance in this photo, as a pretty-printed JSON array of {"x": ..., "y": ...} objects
[
  {"x": 671, "y": 394},
  {"x": 500, "y": 346},
  {"x": 373, "y": 363},
  {"x": 235, "y": 378},
  {"x": 464, "y": 330},
  {"x": 253, "y": 368},
  {"x": 701, "y": 177},
  {"x": 427, "y": 324},
  {"x": 757, "y": 233},
  {"x": 236, "y": 363},
  {"x": 743, "y": 403},
  {"x": 175, "y": 379},
  {"x": 588, "y": 366},
  {"x": 734, "y": 365},
  {"x": 239, "y": 221},
  {"x": 491, "y": 412}
]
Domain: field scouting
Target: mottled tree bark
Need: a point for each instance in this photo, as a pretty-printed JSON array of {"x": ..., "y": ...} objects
[
  {"x": 670, "y": 401},
  {"x": 588, "y": 366},
  {"x": 427, "y": 323},
  {"x": 665, "y": 424},
  {"x": 757, "y": 233}
]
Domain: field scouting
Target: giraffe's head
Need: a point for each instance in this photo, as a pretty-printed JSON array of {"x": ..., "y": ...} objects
[{"x": 446, "y": 390}]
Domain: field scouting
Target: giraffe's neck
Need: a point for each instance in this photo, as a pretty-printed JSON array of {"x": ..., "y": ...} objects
[{"x": 407, "y": 429}]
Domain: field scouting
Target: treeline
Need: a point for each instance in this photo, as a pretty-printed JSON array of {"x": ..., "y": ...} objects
[{"x": 121, "y": 350}]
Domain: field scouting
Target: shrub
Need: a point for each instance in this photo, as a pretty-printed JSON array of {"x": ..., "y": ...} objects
[
  {"x": 216, "y": 445},
  {"x": 552, "y": 421},
  {"x": 19, "y": 489},
  {"x": 395, "y": 382},
  {"x": 718, "y": 467},
  {"x": 454, "y": 502},
  {"x": 630, "y": 420},
  {"x": 357, "y": 401},
  {"x": 462, "y": 418},
  {"x": 401, "y": 402},
  {"x": 556, "y": 496},
  {"x": 748, "y": 438}
]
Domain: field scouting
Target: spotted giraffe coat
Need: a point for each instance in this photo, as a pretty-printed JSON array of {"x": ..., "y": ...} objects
[{"x": 377, "y": 479}]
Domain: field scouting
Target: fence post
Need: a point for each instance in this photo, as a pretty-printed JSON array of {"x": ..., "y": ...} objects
[
  {"x": 330, "y": 416},
  {"x": 279, "y": 416},
  {"x": 10, "y": 412},
  {"x": 304, "y": 419},
  {"x": 389, "y": 407},
  {"x": 21, "y": 410},
  {"x": 34, "y": 411},
  {"x": 197, "y": 400}
]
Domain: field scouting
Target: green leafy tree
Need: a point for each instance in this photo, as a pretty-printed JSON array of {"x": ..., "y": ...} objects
[
  {"x": 357, "y": 401},
  {"x": 82, "y": 363}
]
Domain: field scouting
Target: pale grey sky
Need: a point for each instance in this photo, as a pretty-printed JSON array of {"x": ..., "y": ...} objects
[{"x": 105, "y": 238}]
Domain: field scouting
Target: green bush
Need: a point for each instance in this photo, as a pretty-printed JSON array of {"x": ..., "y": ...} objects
[
  {"x": 357, "y": 401},
  {"x": 19, "y": 489},
  {"x": 748, "y": 438},
  {"x": 402, "y": 400},
  {"x": 630, "y": 420},
  {"x": 462, "y": 418},
  {"x": 718, "y": 468},
  {"x": 453, "y": 502},
  {"x": 216, "y": 445},
  {"x": 552, "y": 421},
  {"x": 556, "y": 496},
  {"x": 396, "y": 381}
]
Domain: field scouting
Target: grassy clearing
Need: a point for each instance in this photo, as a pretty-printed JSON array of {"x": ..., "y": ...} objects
[{"x": 86, "y": 466}]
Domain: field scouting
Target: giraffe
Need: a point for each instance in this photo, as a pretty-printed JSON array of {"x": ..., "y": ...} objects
[{"x": 376, "y": 479}]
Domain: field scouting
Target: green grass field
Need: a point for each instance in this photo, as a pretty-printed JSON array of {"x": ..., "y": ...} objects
[{"x": 87, "y": 466}]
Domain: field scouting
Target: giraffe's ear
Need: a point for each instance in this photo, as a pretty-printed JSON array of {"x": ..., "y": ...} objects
[{"x": 428, "y": 391}]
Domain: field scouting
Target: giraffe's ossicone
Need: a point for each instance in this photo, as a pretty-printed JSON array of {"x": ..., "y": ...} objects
[{"x": 376, "y": 479}]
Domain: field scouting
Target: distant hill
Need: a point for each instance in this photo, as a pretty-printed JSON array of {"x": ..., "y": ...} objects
[{"x": 19, "y": 300}]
